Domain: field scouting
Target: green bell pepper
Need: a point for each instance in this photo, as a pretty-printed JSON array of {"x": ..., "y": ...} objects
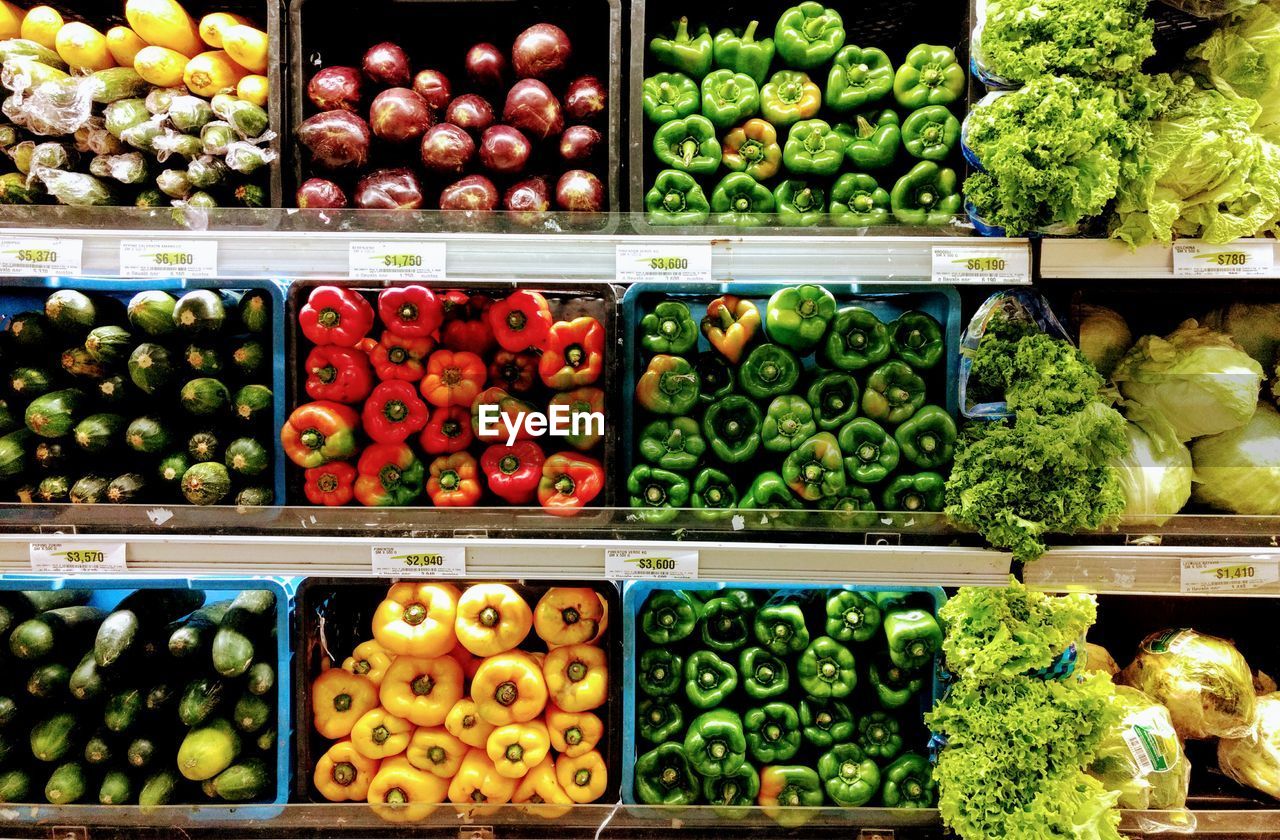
[
  {"x": 852, "y": 509},
  {"x": 715, "y": 377},
  {"x": 917, "y": 339},
  {"x": 676, "y": 199},
  {"x": 852, "y": 617},
  {"x": 669, "y": 328},
  {"x": 922, "y": 492},
  {"x": 733, "y": 794},
  {"x": 888, "y": 599},
  {"x": 800, "y": 203},
  {"x": 808, "y": 35},
  {"x": 670, "y": 96},
  {"x": 664, "y": 777},
  {"x": 787, "y": 786},
  {"x": 797, "y": 317},
  {"x": 857, "y": 340},
  {"x": 779, "y": 628},
  {"x": 742, "y": 53},
  {"x": 669, "y": 617},
  {"x": 659, "y": 720},
  {"x": 763, "y": 674},
  {"x": 827, "y": 669},
  {"x": 715, "y": 743},
  {"x": 742, "y": 596},
  {"x": 894, "y": 392},
  {"x": 752, "y": 148},
  {"x": 930, "y": 75},
  {"x": 773, "y": 732},
  {"x": 656, "y": 494},
  {"x": 789, "y": 97},
  {"x": 849, "y": 776},
  {"x": 660, "y": 672},
  {"x": 858, "y": 201},
  {"x": 724, "y": 625},
  {"x": 928, "y": 439},
  {"x": 872, "y": 142},
  {"x": 825, "y": 723},
  {"x": 914, "y": 637},
  {"x": 908, "y": 783},
  {"x": 788, "y": 422},
  {"x": 858, "y": 77},
  {"x": 740, "y": 201},
  {"x": 689, "y": 145},
  {"x": 769, "y": 493},
  {"x": 732, "y": 428},
  {"x": 689, "y": 55},
  {"x": 926, "y": 195},
  {"x": 674, "y": 444},
  {"x": 715, "y": 496},
  {"x": 708, "y": 679},
  {"x": 813, "y": 148},
  {"x": 834, "y": 397},
  {"x": 769, "y": 370},
  {"x": 894, "y": 686},
  {"x": 880, "y": 735},
  {"x": 729, "y": 97},
  {"x": 668, "y": 386},
  {"x": 930, "y": 133},
  {"x": 815, "y": 470},
  {"x": 870, "y": 453}
]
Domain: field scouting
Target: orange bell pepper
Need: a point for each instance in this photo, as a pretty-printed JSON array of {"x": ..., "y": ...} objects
[
  {"x": 380, "y": 734},
  {"x": 453, "y": 378},
  {"x": 539, "y": 787},
  {"x": 343, "y": 774},
  {"x": 466, "y": 659},
  {"x": 479, "y": 783},
  {"x": 416, "y": 619},
  {"x": 370, "y": 660},
  {"x": 454, "y": 481},
  {"x": 492, "y": 619},
  {"x": 730, "y": 325},
  {"x": 569, "y": 481},
  {"x": 465, "y": 724},
  {"x": 573, "y": 733},
  {"x": 509, "y": 688},
  {"x": 338, "y": 700},
  {"x": 573, "y": 354},
  {"x": 422, "y": 690},
  {"x": 433, "y": 749},
  {"x": 401, "y": 792},
  {"x": 577, "y": 677},
  {"x": 583, "y": 777},
  {"x": 569, "y": 616},
  {"x": 517, "y": 748}
]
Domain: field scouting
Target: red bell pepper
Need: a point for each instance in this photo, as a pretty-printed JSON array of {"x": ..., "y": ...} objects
[
  {"x": 514, "y": 371},
  {"x": 340, "y": 374},
  {"x": 513, "y": 409},
  {"x": 331, "y": 485},
  {"x": 454, "y": 481},
  {"x": 582, "y": 401},
  {"x": 467, "y": 328},
  {"x": 569, "y": 481},
  {"x": 333, "y": 315},
  {"x": 521, "y": 320},
  {"x": 573, "y": 355},
  {"x": 410, "y": 311},
  {"x": 513, "y": 472},
  {"x": 401, "y": 357},
  {"x": 393, "y": 412},
  {"x": 389, "y": 476},
  {"x": 453, "y": 378},
  {"x": 319, "y": 432},
  {"x": 448, "y": 431},
  {"x": 454, "y": 303}
]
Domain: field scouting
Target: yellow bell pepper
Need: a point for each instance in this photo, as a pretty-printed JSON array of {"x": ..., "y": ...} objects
[
  {"x": 577, "y": 677},
  {"x": 569, "y": 616},
  {"x": 338, "y": 700},
  {"x": 343, "y": 774},
  {"x": 479, "y": 783},
  {"x": 369, "y": 660},
  {"x": 492, "y": 619},
  {"x": 516, "y": 748},
  {"x": 416, "y": 619},
  {"x": 539, "y": 787},
  {"x": 435, "y": 750},
  {"x": 380, "y": 734},
  {"x": 509, "y": 688},
  {"x": 401, "y": 792},
  {"x": 422, "y": 690},
  {"x": 573, "y": 733},
  {"x": 469, "y": 661},
  {"x": 465, "y": 724},
  {"x": 583, "y": 777}
]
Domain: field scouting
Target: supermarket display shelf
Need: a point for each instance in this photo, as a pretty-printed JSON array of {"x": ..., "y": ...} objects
[{"x": 1108, "y": 260}]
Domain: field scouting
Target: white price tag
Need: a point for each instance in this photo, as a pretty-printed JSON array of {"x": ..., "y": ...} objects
[
  {"x": 397, "y": 260},
  {"x": 26, "y": 256},
  {"x": 1242, "y": 258},
  {"x": 168, "y": 258},
  {"x": 77, "y": 558},
  {"x": 407, "y": 560},
  {"x": 1008, "y": 265},
  {"x": 678, "y": 263},
  {"x": 1229, "y": 574},
  {"x": 646, "y": 564}
]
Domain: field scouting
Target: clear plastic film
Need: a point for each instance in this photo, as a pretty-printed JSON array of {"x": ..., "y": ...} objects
[
  {"x": 129, "y": 168},
  {"x": 75, "y": 189},
  {"x": 1210, "y": 8},
  {"x": 246, "y": 158},
  {"x": 1098, "y": 658},
  {"x": 1254, "y": 759},
  {"x": 1141, "y": 757}
]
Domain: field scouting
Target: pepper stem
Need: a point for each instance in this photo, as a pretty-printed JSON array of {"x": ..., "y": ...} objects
[
  {"x": 506, "y": 694},
  {"x": 489, "y": 617},
  {"x": 688, "y": 150},
  {"x": 749, "y": 35},
  {"x": 344, "y": 773},
  {"x": 328, "y": 318},
  {"x": 415, "y": 614},
  {"x": 422, "y": 685},
  {"x": 312, "y": 439},
  {"x": 342, "y": 703},
  {"x": 576, "y": 672}
]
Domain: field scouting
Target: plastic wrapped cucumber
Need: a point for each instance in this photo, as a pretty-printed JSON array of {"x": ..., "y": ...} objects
[
  {"x": 53, "y": 156},
  {"x": 160, "y": 99},
  {"x": 246, "y": 158},
  {"x": 206, "y": 171},
  {"x": 174, "y": 183},
  {"x": 130, "y": 168},
  {"x": 107, "y": 86},
  {"x": 169, "y": 143},
  {"x": 143, "y": 135},
  {"x": 125, "y": 114},
  {"x": 216, "y": 137},
  {"x": 14, "y": 189},
  {"x": 189, "y": 114},
  {"x": 75, "y": 189}
]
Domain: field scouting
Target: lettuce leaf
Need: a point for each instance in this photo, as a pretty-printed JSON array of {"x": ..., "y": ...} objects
[
  {"x": 1026, "y": 39},
  {"x": 1241, "y": 59}
]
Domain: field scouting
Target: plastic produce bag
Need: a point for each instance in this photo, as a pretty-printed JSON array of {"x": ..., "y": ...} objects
[
  {"x": 169, "y": 143},
  {"x": 1210, "y": 8},
  {"x": 1254, "y": 759},
  {"x": 1016, "y": 306},
  {"x": 246, "y": 158},
  {"x": 54, "y": 108},
  {"x": 1141, "y": 757},
  {"x": 1098, "y": 658},
  {"x": 74, "y": 189},
  {"x": 128, "y": 168}
]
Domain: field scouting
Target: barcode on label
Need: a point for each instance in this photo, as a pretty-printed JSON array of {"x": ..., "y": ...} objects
[{"x": 1139, "y": 751}]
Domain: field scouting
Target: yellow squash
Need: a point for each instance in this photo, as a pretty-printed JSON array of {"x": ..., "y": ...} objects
[
  {"x": 41, "y": 25},
  {"x": 212, "y": 73},
  {"x": 254, "y": 88},
  {"x": 160, "y": 66},
  {"x": 124, "y": 44},
  {"x": 212, "y": 26},
  {"x": 247, "y": 47},
  {"x": 83, "y": 47},
  {"x": 164, "y": 23},
  {"x": 10, "y": 20}
]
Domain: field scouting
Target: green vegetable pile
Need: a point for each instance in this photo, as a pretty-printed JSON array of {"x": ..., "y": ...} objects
[
  {"x": 1025, "y": 39},
  {"x": 162, "y": 700}
]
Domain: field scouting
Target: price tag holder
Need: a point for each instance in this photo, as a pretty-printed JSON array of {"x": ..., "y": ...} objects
[
  {"x": 1005, "y": 265},
  {"x": 407, "y": 560},
  {"x": 397, "y": 260},
  {"x": 677, "y": 263},
  {"x": 1229, "y": 574},
  {"x": 169, "y": 258},
  {"x": 77, "y": 558},
  {"x": 1242, "y": 258},
  {"x": 25, "y": 256},
  {"x": 646, "y": 564}
]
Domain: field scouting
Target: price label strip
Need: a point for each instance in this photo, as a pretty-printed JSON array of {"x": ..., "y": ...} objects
[
  {"x": 677, "y": 263},
  {"x": 407, "y": 560},
  {"x": 1007, "y": 265},
  {"x": 168, "y": 258},
  {"x": 77, "y": 558},
  {"x": 1242, "y": 258},
  {"x": 397, "y": 260},
  {"x": 1229, "y": 574},
  {"x": 27, "y": 256},
  {"x": 645, "y": 564}
]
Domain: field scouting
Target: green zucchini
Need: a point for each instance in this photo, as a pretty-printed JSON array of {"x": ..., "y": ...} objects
[
  {"x": 196, "y": 633},
  {"x": 53, "y": 738},
  {"x": 255, "y": 497},
  {"x": 77, "y": 189},
  {"x": 204, "y": 446},
  {"x": 203, "y": 360},
  {"x": 112, "y": 390},
  {"x": 78, "y": 362},
  {"x": 267, "y": 739},
  {"x": 108, "y": 344},
  {"x": 49, "y": 681},
  {"x": 54, "y": 630},
  {"x": 8, "y": 711},
  {"x": 116, "y": 788},
  {"x": 130, "y": 168},
  {"x": 66, "y": 785},
  {"x": 189, "y": 113},
  {"x": 206, "y": 171},
  {"x": 242, "y": 782},
  {"x": 114, "y": 84},
  {"x": 98, "y": 432},
  {"x": 125, "y": 489},
  {"x": 253, "y": 403},
  {"x": 87, "y": 680},
  {"x": 246, "y": 118},
  {"x": 13, "y": 453},
  {"x": 250, "y": 614},
  {"x": 206, "y": 483},
  {"x": 151, "y": 198},
  {"x": 8, "y": 422},
  {"x": 148, "y": 435},
  {"x": 141, "y": 752},
  {"x": 200, "y": 700},
  {"x": 29, "y": 330},
  {"x": 54, "y": 489},
  {"x": 255, "y": 311},
  {"x": 201, "y": 199},
  {"x": 251, "y": 195},
  {"x": 26, "y": 48},
  {"x": 245, "y": 456},
  {"x": 16, "y": 607},
  {"x": 205, "y": 396},
  {"x": 150, "y": 367},
  {"x": 122, "y": 710},
  {"x": 15, "y": 786},
  {"x": 97, "y": 750},
  {"x": 21, "y": 153},
  {"x": 122, "y": 115},
  {"x": 261, "y": 679},
  {"x": 15, "y": 188},
  {"x": 173, "y": 467},
  {"x": 53, "y": 156},
  {"x": 152, "y": 313},
  {"x": 216, "y": 137},
  {"x": 208, "y": 750},
  {"x": 174, "y": 183},
  {"x": 50, "y": 455},
  {"x": 29, "y": 382},
  {"x": 159, "y": 697},
  {"x": 200, "y": 311},
  {"x": 158, "y": 790},
  {"x": 251, "y": 713},
  {"x": 54, "y": 414},
  {"x": 70, "y": 310},
  {"x": 160, "y": 99},
  {"x": 89, "y": 490},
  {"x": 123, "y": 629}
]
